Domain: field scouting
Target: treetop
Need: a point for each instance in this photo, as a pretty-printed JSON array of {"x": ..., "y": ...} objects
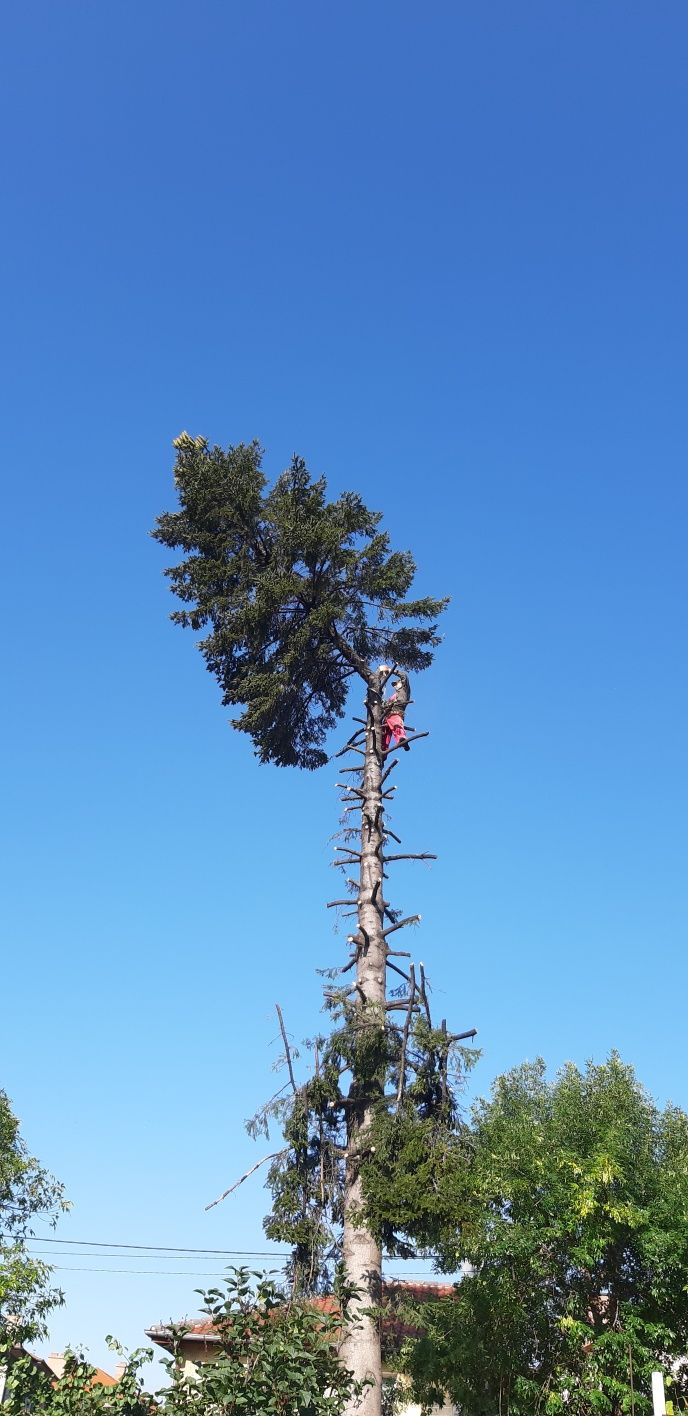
[{"x": 297, "y": 594}]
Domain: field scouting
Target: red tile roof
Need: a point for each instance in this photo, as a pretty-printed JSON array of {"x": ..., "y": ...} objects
[{"x": 394, "y": 1290}]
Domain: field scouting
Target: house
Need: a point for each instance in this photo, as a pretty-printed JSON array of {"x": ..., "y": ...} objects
[
  {"x": 200, "y": 1341},
  {"x": 56, "y": 1364},
  {"x": 52, "y": 1367},
  {"x": 15, "y": 1354}
]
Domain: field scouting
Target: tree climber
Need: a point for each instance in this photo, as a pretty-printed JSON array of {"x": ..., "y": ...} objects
[{"x": 394, "y": 710}]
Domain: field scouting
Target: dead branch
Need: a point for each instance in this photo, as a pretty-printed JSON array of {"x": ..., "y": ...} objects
[
  {"x": 401, "y": 924},
  {"x": 387, "y": 771},
  {"x": 459, "y": 1037},
  {"x": 443, "y": 1062},
  {"x": 399, "y": 953},
  {"x": 334, "y": 904},
  {"x": 424, "y": 995},
  {"x": 287, "y": 1052},
  {"x": 389, "y": 832},
  {"x": 349, "y": 743},
  {"x": 398, "y": 971},
  {"x": 421, "y": 855},
  {"x": 404, "y": 1035},
  {"x": 414, "y": 738},
  {"x": 355, "y": 854},
  {"x": 273, "y": 1156}
]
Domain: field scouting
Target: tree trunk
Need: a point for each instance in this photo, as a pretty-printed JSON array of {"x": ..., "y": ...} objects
[{"x": 361, "y": 1251}]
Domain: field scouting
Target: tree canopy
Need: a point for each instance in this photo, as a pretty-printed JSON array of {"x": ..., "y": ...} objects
[
  {"x": 575, "y": 1237},
  {"x": 27, "y": 1192},
  {"x": 271, "y": 1355},
  {"x": 296, "y": 592}
]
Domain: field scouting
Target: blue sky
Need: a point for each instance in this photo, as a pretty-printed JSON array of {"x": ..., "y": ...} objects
[{"x": 440, "y": 252}]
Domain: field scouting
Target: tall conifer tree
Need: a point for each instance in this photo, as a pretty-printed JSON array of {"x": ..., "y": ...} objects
[{"x": 296, "y": 595}]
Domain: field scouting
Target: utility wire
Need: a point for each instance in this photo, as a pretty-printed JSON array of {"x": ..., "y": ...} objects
[
  {"x": 168, "y": 1273},
  {"x": 163, "y": 1248},
  {"x": 190, "y": 1273},
  {"x": 151, "y": 1251}
]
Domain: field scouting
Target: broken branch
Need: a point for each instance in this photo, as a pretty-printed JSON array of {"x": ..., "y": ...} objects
[
  {"x": 273, "y": 1156},
  {"x": 287, "y": 1053}
]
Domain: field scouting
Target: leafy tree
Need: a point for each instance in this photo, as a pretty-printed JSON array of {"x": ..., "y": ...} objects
[
  {"x": 27, "y": 1193},
  {"x": 77, "y": 1391},
  {"x": 274, "y": 1355},
  {"x": 577, "y": 1246},
  {"x": 295, "y": 596}
]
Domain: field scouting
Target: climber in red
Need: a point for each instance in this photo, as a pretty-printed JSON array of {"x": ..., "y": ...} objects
[{"x": 394, "y": 710}]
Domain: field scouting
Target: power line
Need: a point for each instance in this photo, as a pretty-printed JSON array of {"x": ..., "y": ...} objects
[
  {"x": 164, "y": 1248},
  {"x": 99, "y": 1254},
  {"x": 169, "y": 1273},
  {"x": 151, "y": 1251},
  {"x": 190, "y": 1273}
]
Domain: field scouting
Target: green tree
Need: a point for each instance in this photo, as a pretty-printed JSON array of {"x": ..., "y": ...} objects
[
  {"x": 77, "y": 1391},
  {"x": 27, "y": 1193},
  {"x": 273, "y": 1355},
  {"x": 575, "y": 1232},
  {"x": 295, "y": 596}
]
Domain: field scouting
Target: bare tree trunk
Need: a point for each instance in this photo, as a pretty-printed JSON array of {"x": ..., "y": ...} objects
[{"x": 361, "y": 1251}]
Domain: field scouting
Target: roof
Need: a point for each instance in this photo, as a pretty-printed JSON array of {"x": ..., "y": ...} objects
[
  {"x": 202, "y": 1330},
  {"x": 55, "y": 1364}
]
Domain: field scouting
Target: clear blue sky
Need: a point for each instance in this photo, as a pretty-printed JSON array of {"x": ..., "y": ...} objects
[{"x": 441, "y": 252}]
